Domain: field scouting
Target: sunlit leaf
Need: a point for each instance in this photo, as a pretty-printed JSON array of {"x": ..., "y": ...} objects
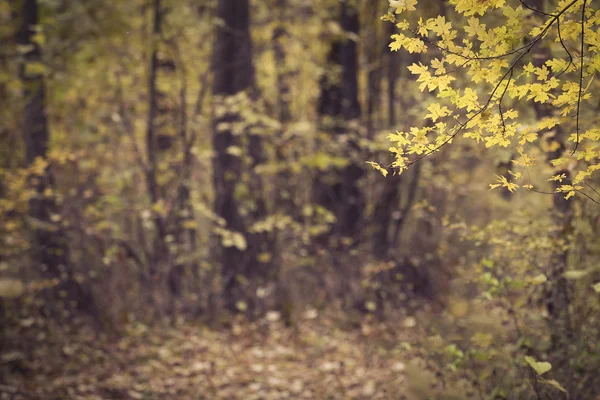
[
  {"x": 11, "y": 288},
  {"x": 540, "y": 367}
]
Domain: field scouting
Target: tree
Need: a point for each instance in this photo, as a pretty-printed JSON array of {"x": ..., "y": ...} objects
[
  {"x": 516, "y": 76},
  {"x": 161, "y": 252},
  {"x": 339, "y": 110},
  {"x": 237, "y": 249},
  {"x": 557, "y": 303},
  {"x": 49, "y": 250},
  {"x": 495, "y": 58}
]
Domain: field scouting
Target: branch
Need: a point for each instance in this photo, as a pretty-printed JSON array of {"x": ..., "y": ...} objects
[
  {"x": 535, "y": 9},
  {"x": 588, "y": 196},
  {"x": 129, "y": 127},
  {"x": 527, "y": 47},
  {"x": 480, "y": 111},
  {"x": 199, "y": 101},
  {"x": 500, "y": 103},
  {"x": 564, "y": 47},
  {"x": 412, "y": 195},
  {"x": 518, "y": 58},
  {"x": 591, "y": 187},
  {"x": 580, "y": 75}
]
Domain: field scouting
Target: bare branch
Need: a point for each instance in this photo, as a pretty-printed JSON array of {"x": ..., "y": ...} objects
[
  {"x": 592, "y": 188},
  {"x": 535, "y": 9},
  {"x": 500, "y": 102},
  {"x": 588, "y": 196},
  {"x": 564, "y": 47}
]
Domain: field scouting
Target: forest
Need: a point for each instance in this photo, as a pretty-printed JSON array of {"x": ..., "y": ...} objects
[{"x": 299, "y": 199}]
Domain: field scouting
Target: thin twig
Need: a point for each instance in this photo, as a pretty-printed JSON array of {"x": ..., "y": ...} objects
[
  {"x": 535, "y": 9},
  {"x": 588, "y": 196},
  {"x": 580, "y": 75},
  {"x": 527, "y": 47},
  {"x": 564, "y": 47},
  {"x": 500, "y": 103},
  {"x": 591, "y": 187}
]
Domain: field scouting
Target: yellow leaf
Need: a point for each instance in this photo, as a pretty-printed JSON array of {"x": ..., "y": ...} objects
[
  {"x": 459, "y": 307},
  {"x": 576, "y": 274},
  {"x": 35, "y": 68},
  {"x": 239, "y": 241},
  {"x": 234, "y": 151},
  {"x": 189, "y": 224},
  {"x": 378, "y": 167},
  {"x": 264, "y": 257},
  {"x": 11, "y": 288},
  {"x": 241, "y": 306},
  {"x": 371, "y": 306},
  {"x": 538, "y": 280},
  {"x": 554, "y": 383}
]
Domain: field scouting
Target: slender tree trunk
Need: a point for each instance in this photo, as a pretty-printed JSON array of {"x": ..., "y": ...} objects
[
  {"x": 374, "y": 76},
  {"x": 151, "y": 135},
  {"x": 285, "y": 193},
  {"x": 233, "y": 73},
  {"x": 284, "y": 196},
  {"x": 49, "y": 249},
  {"x": 284, "y": 114},
  {"x": 562, "y": 214},
  {"x": 557, "y": 296},
  {"x": 390, "y": 196},
  {"x": 186, "y": 236}
]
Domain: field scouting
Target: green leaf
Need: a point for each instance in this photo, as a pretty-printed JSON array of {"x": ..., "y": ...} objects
[{"x": 540, "y": 367}]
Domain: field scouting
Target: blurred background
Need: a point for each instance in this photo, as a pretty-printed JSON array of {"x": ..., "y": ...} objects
[{"x": 184, "y": 195}]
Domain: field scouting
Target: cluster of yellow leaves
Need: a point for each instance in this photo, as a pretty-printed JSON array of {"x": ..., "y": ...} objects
[
  {"x": 481, "y": 72},
  {"x": 505, "y": 182}
]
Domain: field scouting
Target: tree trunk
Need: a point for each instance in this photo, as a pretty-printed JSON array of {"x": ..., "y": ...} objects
[
  {"x": 160, "y": 252},
  {"x": 233, "y": 73},
  {"x": 557, "y": 296},
  {"x": 375, "y": 59},
  {"x": 390, "y": 196},
  {"x": 338, "y": 106},
  {"x": 49, "y": 249}
]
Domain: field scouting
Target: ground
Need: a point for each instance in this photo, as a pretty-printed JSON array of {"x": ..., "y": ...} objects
[{"x": 263, "y": 360}]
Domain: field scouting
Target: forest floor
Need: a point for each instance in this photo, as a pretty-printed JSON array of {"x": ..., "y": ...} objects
[{"x": 264, "y": 360}]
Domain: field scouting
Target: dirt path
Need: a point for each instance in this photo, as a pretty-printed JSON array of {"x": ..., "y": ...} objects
[{"x": 263, "y": 361}]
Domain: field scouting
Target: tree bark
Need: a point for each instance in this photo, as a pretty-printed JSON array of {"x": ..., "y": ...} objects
[
  {"x": 233, "y": 73},
  {"x": 151, "y": 141},
  {"x": 338, "y": 106},
  {"x": 557, "y": 296},
  {"x": 49, "y": 249},
  {"x": 375, "y": 57},
  {"x": 390, "y": 196}
]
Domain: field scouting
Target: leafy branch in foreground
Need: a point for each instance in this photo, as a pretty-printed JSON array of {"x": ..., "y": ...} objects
[{"x": 480, "y": 74}]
